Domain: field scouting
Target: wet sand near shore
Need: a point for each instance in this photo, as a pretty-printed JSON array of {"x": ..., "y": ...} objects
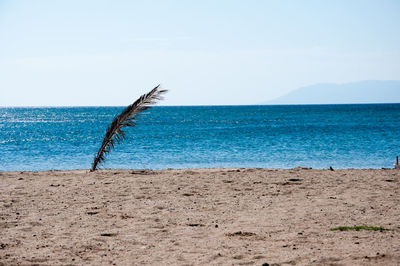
[{"x": 199, "y": 217}]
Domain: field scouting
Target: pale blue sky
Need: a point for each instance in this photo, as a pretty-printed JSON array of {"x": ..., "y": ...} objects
[{"x": 69, "y": 53}]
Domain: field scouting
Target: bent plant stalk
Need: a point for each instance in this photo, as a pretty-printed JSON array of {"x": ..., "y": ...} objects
[{"x": 127, "y": 118}]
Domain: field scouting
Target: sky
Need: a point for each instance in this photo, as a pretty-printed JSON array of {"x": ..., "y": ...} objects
[{"x": 108, "y": 53}]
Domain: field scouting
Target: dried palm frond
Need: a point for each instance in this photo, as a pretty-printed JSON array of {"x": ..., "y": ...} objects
[{"x": 115, "y": 134}]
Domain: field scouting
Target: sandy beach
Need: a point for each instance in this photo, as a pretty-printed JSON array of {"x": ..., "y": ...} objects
[{"x": 199, "y": 217}]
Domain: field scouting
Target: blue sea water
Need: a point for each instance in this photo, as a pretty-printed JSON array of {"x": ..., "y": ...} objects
[{"x": 317, "y": 136}]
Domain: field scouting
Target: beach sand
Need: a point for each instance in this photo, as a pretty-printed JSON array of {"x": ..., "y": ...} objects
[{"x": 199, "y": 217}]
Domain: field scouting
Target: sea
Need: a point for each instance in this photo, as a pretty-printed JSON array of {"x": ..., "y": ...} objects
[{"x": 177, "y": 137}]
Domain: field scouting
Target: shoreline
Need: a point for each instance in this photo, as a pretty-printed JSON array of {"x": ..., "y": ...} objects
[
  {"x": 200, "y": 216},
  {"x": 201, "y": 168}
]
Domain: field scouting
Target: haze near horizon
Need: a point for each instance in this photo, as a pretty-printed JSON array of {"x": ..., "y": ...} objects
[
  {"x": 362, "y": 92},
  {"x": 101, "y": 53}
]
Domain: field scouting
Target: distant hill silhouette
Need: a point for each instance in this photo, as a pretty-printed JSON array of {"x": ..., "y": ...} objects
[{"x": 370, "y": 91}]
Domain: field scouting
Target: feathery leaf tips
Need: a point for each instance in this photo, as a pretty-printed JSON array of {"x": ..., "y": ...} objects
[{"x": 126, "y": 118}]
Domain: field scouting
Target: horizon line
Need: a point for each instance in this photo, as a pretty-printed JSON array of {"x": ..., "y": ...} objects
[{"x": 195, "y": 105}]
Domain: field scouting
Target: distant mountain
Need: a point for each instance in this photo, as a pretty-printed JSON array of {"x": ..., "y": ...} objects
[{"x": 371, "y": 91}]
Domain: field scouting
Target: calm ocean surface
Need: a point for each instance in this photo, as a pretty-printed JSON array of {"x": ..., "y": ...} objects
[{"x": 317, "y": 136}]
